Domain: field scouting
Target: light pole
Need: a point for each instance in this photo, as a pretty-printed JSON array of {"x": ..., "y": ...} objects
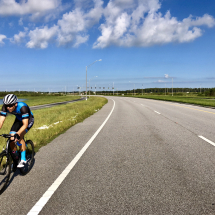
[
  {"x": 78, "y": 90},
  {"x": 167, "y": 76},
  {"x": 86, "y": 74},
  {"x": 172, "y": 86},
  {"x": 165, "y": 89},
  {"x": 142, "y": 89}
]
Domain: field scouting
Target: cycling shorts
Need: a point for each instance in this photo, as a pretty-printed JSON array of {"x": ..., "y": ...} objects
[{"x": 18, "y": 124}]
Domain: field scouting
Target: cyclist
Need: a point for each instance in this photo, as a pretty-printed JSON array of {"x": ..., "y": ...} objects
[{"x": 22, "y": 124}]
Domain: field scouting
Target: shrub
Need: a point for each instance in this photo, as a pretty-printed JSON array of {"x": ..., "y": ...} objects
[{"x": 211, "y": 92}]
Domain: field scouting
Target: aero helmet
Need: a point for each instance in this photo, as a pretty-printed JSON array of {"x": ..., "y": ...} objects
[{"x": 10, "y": 99}]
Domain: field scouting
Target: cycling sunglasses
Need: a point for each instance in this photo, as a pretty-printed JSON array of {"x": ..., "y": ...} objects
[{"x": 10, "y": 105}]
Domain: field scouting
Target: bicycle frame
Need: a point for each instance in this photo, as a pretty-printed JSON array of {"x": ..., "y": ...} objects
[
  {"x": 7, "y": 149},
  {"x": 9, "y": 161},
  {"x": 7, "y": 146}
]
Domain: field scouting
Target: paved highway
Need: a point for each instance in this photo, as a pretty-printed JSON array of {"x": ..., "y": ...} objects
[
  {"x": 149, "y": 157},
  {"x": 54, "y": 104}
]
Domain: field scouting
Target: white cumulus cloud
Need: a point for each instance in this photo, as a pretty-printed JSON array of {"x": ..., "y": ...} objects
[
  {"x": 71, "y": 29},
  {"x": 18, "y": 38},
  {"x": 40, "y": 37},
  {"x": 124, "y": 23},
  {"x": 12, "y": 7},
  {"x": 139, "y": 23},
  {"x": 21, "y": 21},
  {"x": 80, "y": 39},
  {"x": 2, "y": 37},
  {"x": 76, "y": 22},
  {"x": 33, "y": 8}
]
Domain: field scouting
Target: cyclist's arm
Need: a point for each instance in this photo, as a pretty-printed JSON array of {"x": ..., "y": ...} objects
[
  {"x": 2, "y": 119},
  {"x": 24, "y": 126},
  {"x": 3, "y": 114}
]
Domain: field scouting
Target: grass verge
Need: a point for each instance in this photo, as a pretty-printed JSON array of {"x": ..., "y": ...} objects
[
  {"x": 41, "y": 100},
  {"x": 50, "y": 122},
  {"x": 202, "y": 101}
]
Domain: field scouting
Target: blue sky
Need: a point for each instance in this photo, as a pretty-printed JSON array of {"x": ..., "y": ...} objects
[{"x": 47, "y": 44}]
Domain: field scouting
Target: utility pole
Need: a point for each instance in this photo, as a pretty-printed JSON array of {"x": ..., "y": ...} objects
[
  {"x": 165, "y": 89},
  {"x": 172, "y": 86},
  {"x": 142, "y": 89},
  {"x": 86, "y": 74}
]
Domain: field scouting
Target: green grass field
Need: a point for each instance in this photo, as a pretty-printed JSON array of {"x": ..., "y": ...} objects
[
  {"x": 190, "y": 99},
  {"x": 50, "y": 122},
  {"x": 41, "y": 100}
]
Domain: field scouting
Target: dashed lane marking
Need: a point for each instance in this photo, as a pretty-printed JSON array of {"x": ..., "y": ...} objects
[{"x": 183, "y": 106}]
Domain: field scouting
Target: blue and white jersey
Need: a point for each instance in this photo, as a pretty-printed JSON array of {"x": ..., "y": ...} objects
[{"x": 21, "y": 112}]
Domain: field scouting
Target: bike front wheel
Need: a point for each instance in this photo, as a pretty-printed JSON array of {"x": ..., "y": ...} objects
[
  {"x": 29, "y": 157},
  {"x": 5, "y": 170}
]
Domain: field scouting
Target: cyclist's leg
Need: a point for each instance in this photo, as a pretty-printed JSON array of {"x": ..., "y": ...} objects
[
  {"x": 22, "y": 145},
  {"x": 21, "y": 142},
  {"x": 15, "y": 127}
]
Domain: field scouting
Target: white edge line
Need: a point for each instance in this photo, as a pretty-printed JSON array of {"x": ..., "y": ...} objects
[
  {"x": 205, "y": 139},
  {"x": 156, "y": 112},
  {"x": 47, "y": 195}
]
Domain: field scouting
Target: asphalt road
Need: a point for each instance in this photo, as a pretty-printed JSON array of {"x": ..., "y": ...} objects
[
  {"x": 149, "y": 158},
  {"x": 54, "y": 104}
]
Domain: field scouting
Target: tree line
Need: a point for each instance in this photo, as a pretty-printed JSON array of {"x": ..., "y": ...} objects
[
  {"x": 158, "y": 91},
  {"x": 162, "y": 91}
]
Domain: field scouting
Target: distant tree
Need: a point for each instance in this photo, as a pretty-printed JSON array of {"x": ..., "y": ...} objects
[{"x": 210, "y": 92}]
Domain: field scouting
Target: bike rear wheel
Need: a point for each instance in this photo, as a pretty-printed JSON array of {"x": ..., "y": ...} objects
[
  {"x": 29, "y": 157},
  {"x": 5, "y": 170}
]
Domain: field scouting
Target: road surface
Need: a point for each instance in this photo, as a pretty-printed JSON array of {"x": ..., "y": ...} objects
[
  {"x": 149, "y": 157},
  {"x": 54, "y": 104}
]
